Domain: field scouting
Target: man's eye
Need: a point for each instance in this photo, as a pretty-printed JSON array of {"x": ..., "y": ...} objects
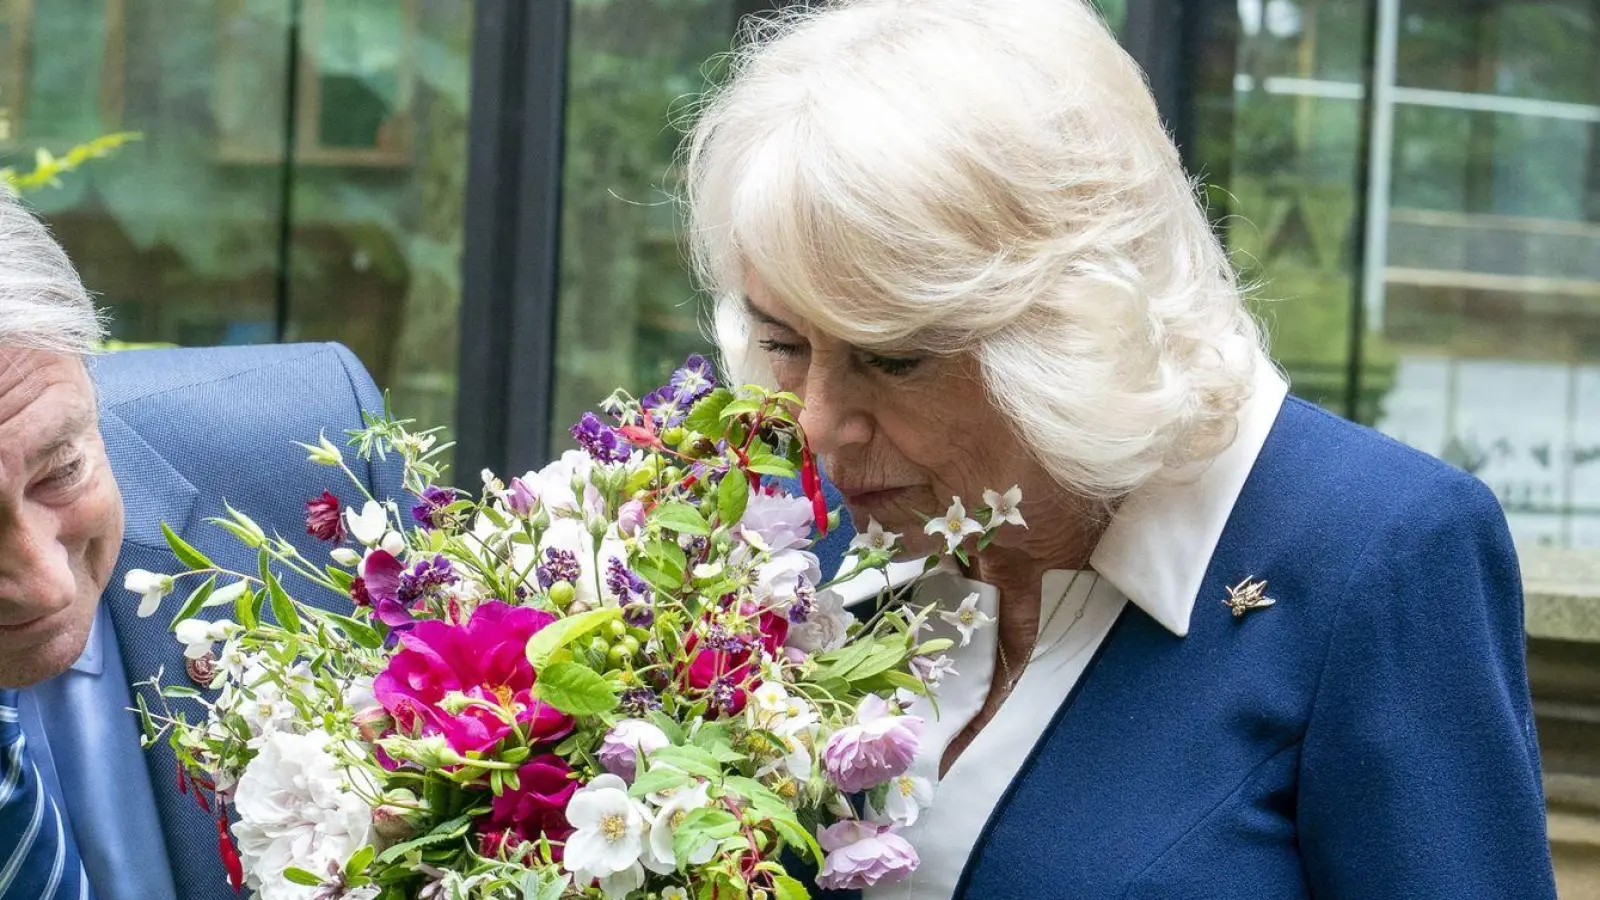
[
  {"x": 64, "y": 476},
  {"x": 779, "y": 348},
  {"x": 890, "y": 365}
]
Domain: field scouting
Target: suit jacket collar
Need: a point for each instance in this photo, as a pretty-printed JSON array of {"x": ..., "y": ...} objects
[
  {"x": 1159, "y": 544},
  {"x": 152, "y": 490}
]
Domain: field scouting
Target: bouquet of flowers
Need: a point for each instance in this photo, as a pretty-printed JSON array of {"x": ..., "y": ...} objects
[{"x": 619, "y": 676}]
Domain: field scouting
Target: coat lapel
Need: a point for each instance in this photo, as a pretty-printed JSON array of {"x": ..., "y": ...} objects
[{"x": 154, "y": 492}]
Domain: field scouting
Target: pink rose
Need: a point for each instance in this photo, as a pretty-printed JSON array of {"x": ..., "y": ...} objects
[
  {"x": 862, "y": 855},
  {"x": 878, "y": 747}
]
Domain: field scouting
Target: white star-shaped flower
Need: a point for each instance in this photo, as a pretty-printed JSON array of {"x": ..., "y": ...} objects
[
  {"x": 369, "y": 525},
  {"x": 955, "y": 526},
  {"x": 874, "y": 539},
  {"x": 1003, "y": 508},
  {"x": 967, "y": 618},
  {"x": 152, "y": 588}
]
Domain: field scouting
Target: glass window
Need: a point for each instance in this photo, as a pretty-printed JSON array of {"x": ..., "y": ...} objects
[
  {"x": 627, "y": 308},
  {"x": 206, "y": 231}
]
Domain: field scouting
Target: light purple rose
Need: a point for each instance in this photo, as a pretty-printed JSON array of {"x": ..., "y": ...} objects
[
  {"x": 625, "y": 743},
  {"x": 862, "y": 855},
  {"x": 878, "y": 747},
  {"x": 630, "y": 518},
  {"x": 780, "y": 521}
]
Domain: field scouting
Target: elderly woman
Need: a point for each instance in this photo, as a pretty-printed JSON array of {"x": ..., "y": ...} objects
[{"x": 1241, "y": 648}]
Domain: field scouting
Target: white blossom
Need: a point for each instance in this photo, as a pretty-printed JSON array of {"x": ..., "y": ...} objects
[
  {"x": 296, "y": 809},
  {"x": 660, "y": 858},
  {"x": 198, "y": 636},
  {"x": 151, "y": 587},
  {"x": 874, "y": 539},
  {"x": 955, "y": 526},
  {"x": 1003, "y": 508},
  {"x": 369, "y": 525},
  {"x": 610, "y": 829},
  {"x": 967, "y": 618},
  {"x": 907, "y": 796},
  {"x": 825, "y": 628}
]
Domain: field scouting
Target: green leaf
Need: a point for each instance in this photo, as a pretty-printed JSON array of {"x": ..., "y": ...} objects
[
  {"x": 186, "y": 554},
  {"x": 663, "y": 581},
  {"x": 282, "y": 607},
  {"x": 767, "y": 464},
  {"x": 733, "y": 494},
  {"x": 669, "y": 556},
  {"x": 739, "y": 408},
  {"x": 359, "y": 861},
  {"x": 882, "y": 658},
  {"x": 679, "y": 517},
  {"x": 247, "y": 609},
  {"x": 843, "y": 660},
  {"x": 564, "y": 631},
  {"x": 937, "y": 645},
  {"x": 538, "y": 885},
  {"x": 798, "y": 838},
  {"x": 659, "y": 778},
  {"x": 197, "y": 599},
  {"x": 449, "y": 831},
  {"x": 693, "y": 760},
  {"x": 762, "y": 798},
  {"x": 706, "y": 415},
  {"x": 789, "y": 889},
  {"x": 301, "y": 876},
  {"x": 179, "y": 692},
  {"x": 340, "y": 578},
  {"x": 576, "y": 689},
  {"x": 699, "y": 826},
  {"x": 361, "y": 633},
  {"x": 668, "y": 727}
]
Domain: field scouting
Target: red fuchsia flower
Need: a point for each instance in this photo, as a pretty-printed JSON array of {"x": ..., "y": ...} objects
[
  {"x": 230, "y": 855},
  {"x": 323, "y": 518},
  {"x": 538, "y": 807},
  {"x": 483, "y": 659},
  {"x": 811, "y": 483},
  {"x": 725, "y": 667}
]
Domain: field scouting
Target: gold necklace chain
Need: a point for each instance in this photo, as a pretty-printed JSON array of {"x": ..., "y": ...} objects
[{"x": 1011, "y": 678}]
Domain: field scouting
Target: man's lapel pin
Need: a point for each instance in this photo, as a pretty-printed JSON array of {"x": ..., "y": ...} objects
[{"x": 1247, "y": 595}]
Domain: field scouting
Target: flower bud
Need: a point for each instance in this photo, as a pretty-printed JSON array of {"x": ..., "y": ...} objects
[
  {"x": 562, "y": 592},
  {"x": 393, "y": 543},
  {"x": 344, "y": 556},
  {"x": 325, "y": 453},
  {"x": 395, "y": 824},
  {"x": 373, "y": 724},
  {"x": 520, "y": 498}
]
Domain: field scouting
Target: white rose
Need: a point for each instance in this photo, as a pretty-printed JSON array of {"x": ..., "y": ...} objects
[
  {"x": 296, "y": 809},
  {"x": 825, "y": 627}
]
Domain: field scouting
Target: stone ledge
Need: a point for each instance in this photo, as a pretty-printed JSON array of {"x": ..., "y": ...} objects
[{"x": 1561, "y": 588}]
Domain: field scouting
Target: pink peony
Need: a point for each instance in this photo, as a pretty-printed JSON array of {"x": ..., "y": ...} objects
[
  {"x": 878, "y": 747},
  {"x": 483, "y": 659},
  {"x": 862, "y": 855},
  {"x": 625, "y": 743},
  {"x": 538, "y": 807}
]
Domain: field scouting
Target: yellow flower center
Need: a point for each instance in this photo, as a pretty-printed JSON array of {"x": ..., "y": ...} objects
[
  {"x": 787, "y": 789},
  {"x": 904, "y": 781},
  {"x": 968, "y": 616},
  {"x": 503, "y": 695},
  {"x": 954, "y": 525},
  {"x": 678, "y": 817},
  {"x": 614, "y": 826}
]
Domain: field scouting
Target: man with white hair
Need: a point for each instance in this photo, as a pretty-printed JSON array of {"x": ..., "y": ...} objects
[{"x": 95, "y": 454}]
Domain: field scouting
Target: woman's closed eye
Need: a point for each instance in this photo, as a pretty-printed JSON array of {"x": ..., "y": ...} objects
[
  {"x": 65, "y": 476},
  {"x": 893, "y": 365},
  {"x": 784, "y": 349}
]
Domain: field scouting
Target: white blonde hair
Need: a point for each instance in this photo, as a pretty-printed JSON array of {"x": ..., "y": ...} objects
[
  {"x": 977, "y": 176},
  {"x": 43, "y": 305}
]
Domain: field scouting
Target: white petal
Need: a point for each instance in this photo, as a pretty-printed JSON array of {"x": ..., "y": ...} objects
[
  {"x": 992, "y": 500},
  {"x": 393, "y": 543},
  {"x": 368, "y": 525}
]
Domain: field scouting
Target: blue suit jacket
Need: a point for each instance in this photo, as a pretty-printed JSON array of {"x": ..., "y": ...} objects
[
  {"x": 1370, "y": 737},
  {"x": 186, "y": 430}
]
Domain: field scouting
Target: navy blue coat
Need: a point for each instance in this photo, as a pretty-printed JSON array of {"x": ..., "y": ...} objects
[{"x": 1370, "y": 737}]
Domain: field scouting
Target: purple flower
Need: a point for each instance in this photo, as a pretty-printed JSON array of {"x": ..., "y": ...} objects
[
  {"x": 625, "y": 743},
  {"x": 425, "y": 578},
  {"x": 429, "y": 512},
  {"x": 638, "y": 615},
  {"x": 623, "y": 584},
  {"x": 630, "y": 518},
  {"x": 380, "y": 579},
  {"x": 558, "y": 565},
  {"x": 638, "y": 701},
  {"x": 776, "y": 522},
  {"x": 878, "y": 747},
  {"x": 600, "y": 440},
  {"x": 861, "y": 855},
  {"x": 694, "y": 379},
  {"x": 520, "y": 498},
  {"x": 800, "y": 607},
  {"x": 666, "y": 406}
]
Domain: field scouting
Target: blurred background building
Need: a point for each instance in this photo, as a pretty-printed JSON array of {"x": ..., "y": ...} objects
[{"x": 474, "y": 196}]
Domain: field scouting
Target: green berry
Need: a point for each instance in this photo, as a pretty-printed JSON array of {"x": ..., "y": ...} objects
[{"x": 562, "y": 592}]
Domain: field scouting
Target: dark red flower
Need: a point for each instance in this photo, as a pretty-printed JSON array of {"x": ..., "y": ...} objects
[
  {"x": 811, "y": 483},
  {"x": 323, "y": 520},
  {"x": 537, "y": 807}
]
